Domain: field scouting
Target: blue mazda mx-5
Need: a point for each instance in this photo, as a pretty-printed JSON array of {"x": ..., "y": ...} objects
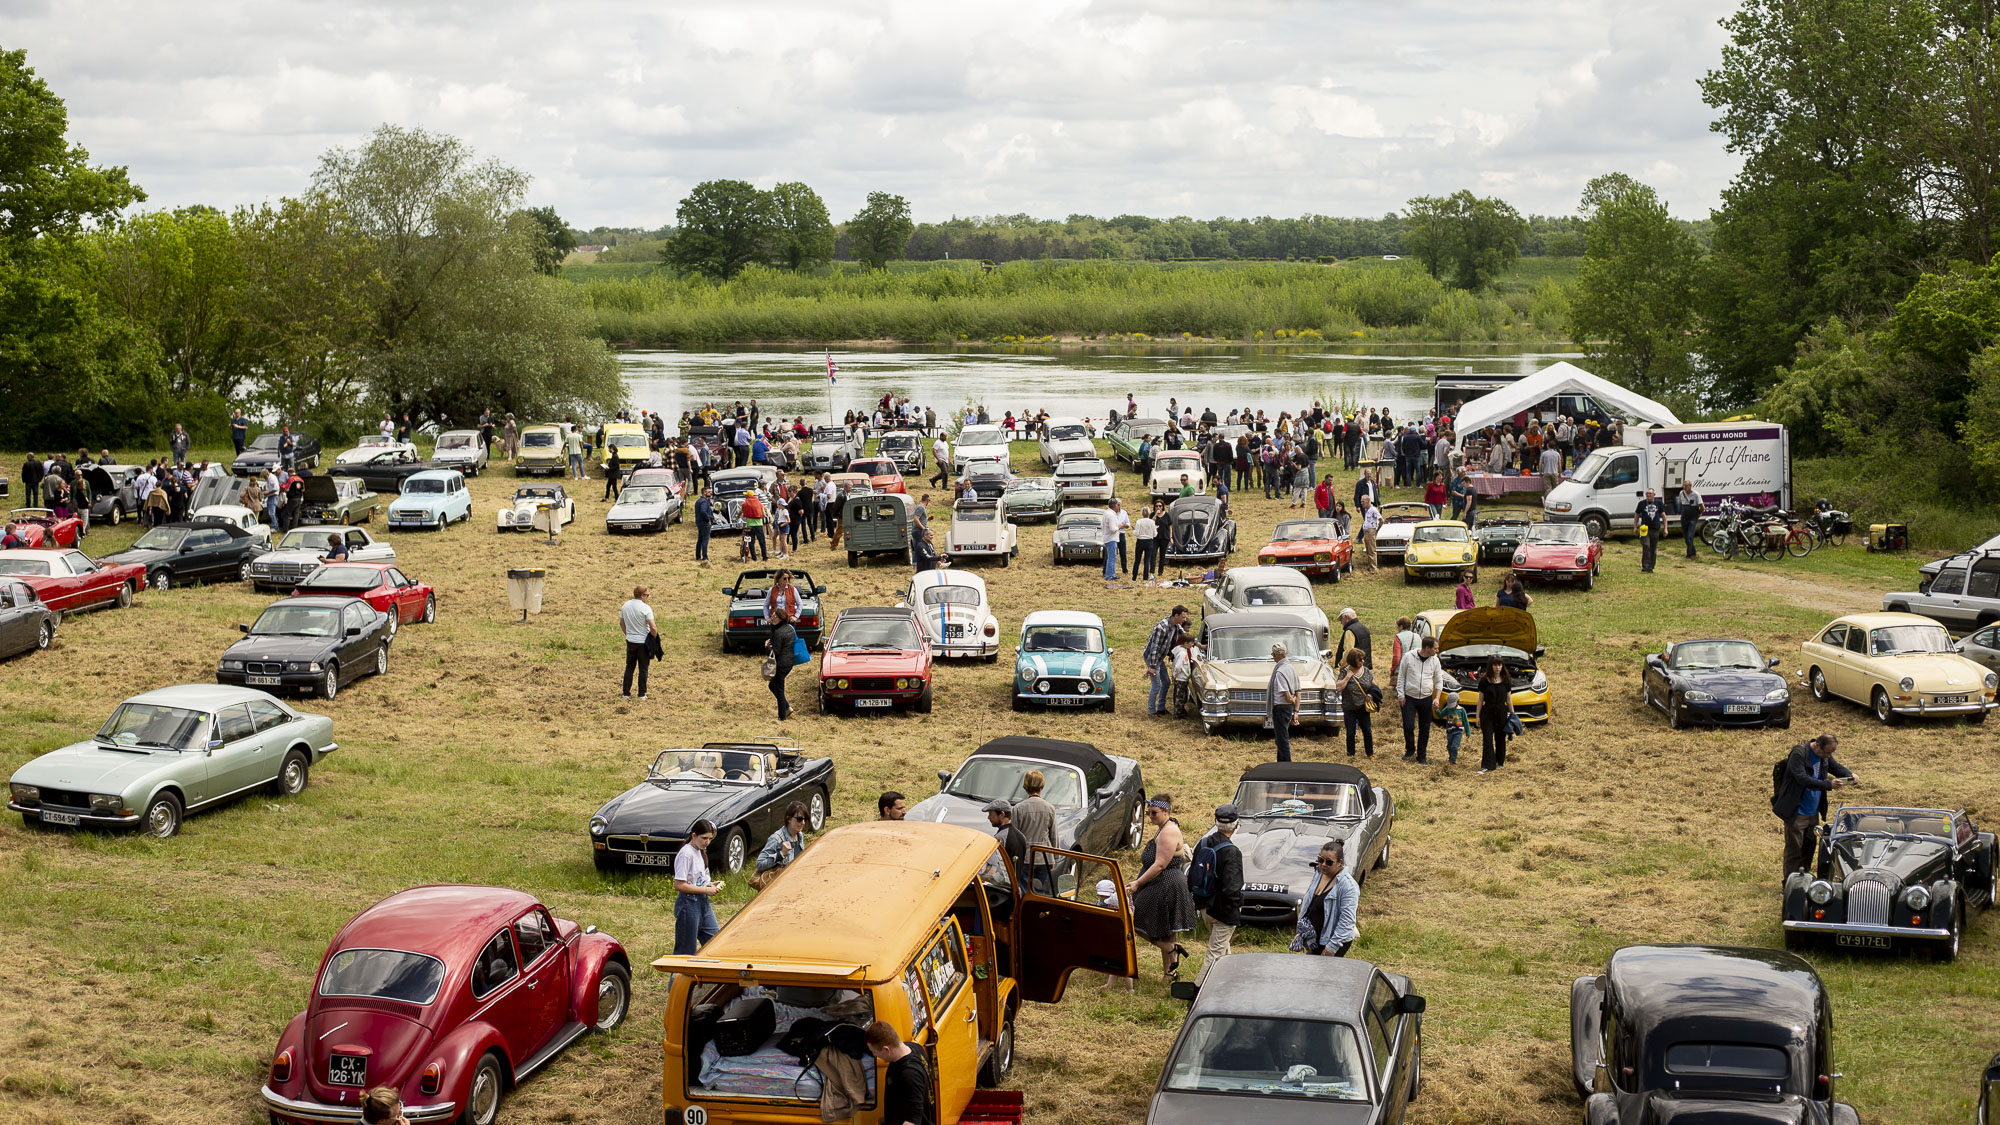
[
  {"x": 1721, "y": 682},
  {"x": 1063, "y": 662}
]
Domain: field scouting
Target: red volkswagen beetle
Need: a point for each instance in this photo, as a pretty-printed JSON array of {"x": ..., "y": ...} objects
[
  {"x": 876, "y": 658},
  {"x": 380, "y": 584},
  {"x": 1558, "y": 552},
  {"x": 448, "y": 995},
  {"x": 40, "y": 527},
  {"x": 68, "y": 580}
]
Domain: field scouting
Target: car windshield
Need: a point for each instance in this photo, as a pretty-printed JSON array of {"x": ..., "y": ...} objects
[
  {"x": 375, "y": 439},
  {"x": 422, "y": 484},
  {"x": 297, "y": 621},
  {"x": 1703, "y": 656},
  {"x": 733, "y": 486},
  {"x": 305, "y": 539},
  {"x": 896, "y": 633},
  {"x": 1090, "y": 517},
  {"x": 1254, "y": 643},
  {"x": 1276, "y": 595},
  {"x": 982, "y": 778},
  {"x": 627, "y": 441},
  {"x": 1071, "y": 432},
  {"x": 829, "y": 433},
  {"x": 1271, "y": 1057},
  {"x": 874, "y": 467},
  {"x": 951, "y": 595},
  {"x": 1182, "y": 461},
  {"x": 34, "y": 568},
  {"x": 155, "y": 724},
  {"x": 1439, "y": 535},
  {"x": 897, "y": 441},
  {"x": 1030, "y": 484},
  {"x": 385, "y": 974},
  {"x": 1063, "y": 638},
  {"x": 1896, "y": 822},
  {"x": 701, "y": 767},
  {"x": 649, "y": 494},
  {"x": 1505, "y": 519},
  {"x": 264, "y": 441},
  {"x": 538, "y": 438},
  {"x": 1574, "y": 533},
  {"x": 982, "y": 437},
  {"x": 974, "y": 515},
  {"x": 1298, "y": 798},
  {"x": 521, "y": 494},
  {"x": 342, "y": 579},
  {"x": 1901, "y": 640},
  {"x": 1405, "y": 513},
  {"x": 1306, "y": 529},
  {"x": 1587, "y": 472},
  {"x": 456, "y": 440},
  {"x": 159, "y": 539},
  {"x": 1693, "y": 1062}
]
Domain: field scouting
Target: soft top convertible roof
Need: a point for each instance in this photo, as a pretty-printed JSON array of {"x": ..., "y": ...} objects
[{"x": 1079, "y": 754}]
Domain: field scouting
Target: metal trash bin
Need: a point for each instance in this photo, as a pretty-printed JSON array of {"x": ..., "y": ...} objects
[{"x": 524, "y": 589}]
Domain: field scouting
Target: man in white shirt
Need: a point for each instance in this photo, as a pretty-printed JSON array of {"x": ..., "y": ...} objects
[
  {"x": 1142, "y": 535},
  {"x": 1110, "y": 535},
  {"x": 1550, "y": 466},
  {"x": 1371, "y": 522},
  {"x": 941, "y": 453},
  {"x": 1124, "y": 522},
  {"x": 1418, "y": 681},
  {"x": 635, "y": 617},
  {"x": 1281, "y": 700}
]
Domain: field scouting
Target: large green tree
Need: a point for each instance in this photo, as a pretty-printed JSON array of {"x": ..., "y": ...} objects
[
  {"x": 308, "y": 307},
  {"x": 1462, "y": 239},
  {"x": 802, "y": 234},
  {"x": 880, "y": 233},
  {"x": 551, "y": 240},
  {"x": 722, "y": 226},
  {"x": 1633, "y": 301},
  {"x": 178, "y": 277}
]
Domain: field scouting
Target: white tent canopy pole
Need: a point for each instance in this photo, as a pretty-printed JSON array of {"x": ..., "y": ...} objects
[{"x": 1555, "y": 379}]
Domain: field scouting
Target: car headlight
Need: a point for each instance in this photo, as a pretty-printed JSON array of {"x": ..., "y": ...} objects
[
  {"x": 1698, "y": 696},
  {"x": 1041, "y": 685},
  {"x": 1214, "y": 695},
  {"x": 1821, "y": 892},
  {"x": 1907, "y": 684},
  {"x": 842, "y": 684},
  {"x": 1323, "y": 556},
  {"x": 1450, "y": 682},
  {"x": 1520, "y": 560},
  {"x": 24, "y": 792},
  {"x": 598, "y": 827},
  {"x": 1992, "y": 680},
  {"x": 1916, "y": 898},
  {"x": 1583, "y": 560},
  {"x": 1777, "y": 695},
  {"x": 106, "y": 802},
  {"x": 313, "y": 666},
  {"x": 1098, "y": 674},
  {"x": 902, "y": 683},
  {"x": 1539, "y": 683},
  {"x": 232, "y": 665},
  {"x": 1558, "y": 506}
]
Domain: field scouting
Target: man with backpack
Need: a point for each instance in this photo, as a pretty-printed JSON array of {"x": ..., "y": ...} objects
[
  {"x": 1800, "y": 782},
  {"x": 1215, "y": 879}
]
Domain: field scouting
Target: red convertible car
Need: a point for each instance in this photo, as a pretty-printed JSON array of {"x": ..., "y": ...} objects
[
  {"x": 881, "y": 472},
  {"x": 39, "y": 527},
  {"x": 1310, "y": 546},
  {"x": 1558, "y": 552},
  {"x": 68, "y": 580},
  {"x": 448, "y": 995},
  {"x": 876, "y": 658},
  {"x": 380, "y": 584}
]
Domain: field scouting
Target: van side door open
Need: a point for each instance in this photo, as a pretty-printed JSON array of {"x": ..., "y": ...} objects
[{"x": 1058, "y": 933}]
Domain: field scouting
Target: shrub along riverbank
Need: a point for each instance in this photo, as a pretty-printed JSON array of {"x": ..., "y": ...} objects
[{"x": 950, "y": 301}]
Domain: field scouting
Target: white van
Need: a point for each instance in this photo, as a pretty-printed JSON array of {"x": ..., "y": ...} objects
[
  {"x": 1747, "y": 462},
  {"x": 1064, "y": 438}
]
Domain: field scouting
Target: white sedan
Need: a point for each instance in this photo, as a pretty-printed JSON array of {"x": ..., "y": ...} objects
[
  {"x": 530, "y": 499},
  {"x": 1064, "y": 438},
  {"x": 1084, "y": 478},
  {"x": 1170, "y": 464},
  {"x": 372, "y": 446},
  {"x": 978, "y": 530},
  {"x": 252, "y": 522},
  {"x": 954, "y": 612}
]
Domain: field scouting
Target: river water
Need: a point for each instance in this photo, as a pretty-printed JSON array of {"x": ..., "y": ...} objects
[{"x": 1064, "y": 382}]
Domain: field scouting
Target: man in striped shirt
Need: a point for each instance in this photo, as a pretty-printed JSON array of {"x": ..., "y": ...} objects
[{"x": 1159, "y": 645}]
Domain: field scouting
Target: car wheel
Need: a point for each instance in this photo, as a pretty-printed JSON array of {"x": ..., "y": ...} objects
[
  {"x": 816, "y": 811},
  {"x": 1001, "y": 1062},
  {"x": 382, "y": 660},
  {"x": 853, "y": 559},
  {"x": 1135, "y": 824},
  {"x": 614, "y": 996},
  {"x": 1210, "y": 729},
  {"x": 1885, "y": 713},
  {"x": 1797, "y": 941},
  {"x": 1589, "y": 580},
  {"x": 329, "y": 685},
  {"x": 1675, "y": 718},
  {"x": 1019, "y": 704},
  {"x": 735, "y": 851},
  {"x": 1817, "y": 679},
  {"x": 163, "y": 816},
  {"x": 117, "y": 513},
  {"x": 483, "y": 1093},
  {"x": 430, "y": 609},
  {"x": 1382, "y": 858},
  {"x": 243, "y": 571},
  {"x": 46, "y": 635},
  {"x": 1946, "y": 951},
  {"x": 125, "y": 593},
  {"x": 923, "y": 706},
  {"x": 1005, "y": 559},
  {"x": 292, "y": 776},
  {"x": 161, "y": 579},
  {"x": 824, "y": 707}
]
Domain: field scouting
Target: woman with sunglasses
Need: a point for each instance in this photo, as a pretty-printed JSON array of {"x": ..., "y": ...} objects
[
  {"x": 1330, "y": 919},
  {"x": 783, "y": 847},
  {"x": 1162, "y": 905}
]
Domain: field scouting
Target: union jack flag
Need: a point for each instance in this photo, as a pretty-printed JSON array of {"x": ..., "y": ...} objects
[{"x": 832, "y": 368}]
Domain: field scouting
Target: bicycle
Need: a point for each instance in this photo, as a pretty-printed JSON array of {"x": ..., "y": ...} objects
[{"x": 1735, "y": 532}]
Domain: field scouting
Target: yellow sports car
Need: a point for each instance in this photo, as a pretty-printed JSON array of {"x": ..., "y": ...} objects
[
  {"x": 1470, "y": 640},
  {"x": 1898, "y": 664},
  {"x": 1439, "y": 549}
]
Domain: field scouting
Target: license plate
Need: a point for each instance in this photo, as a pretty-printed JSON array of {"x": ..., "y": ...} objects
[
  {"x": 874, "y": 702},
  {"x": 1064, "y": 702},
  {"x": 347, "y": 1070},
  {"x": 1944, "y": 700},
  {"x": 1740, "y": 709},
  {"x": 50, "y": 816},
  {"x": 1268, "y": 888},
  {"x": 648, "y": 859},
  {"x": 265, "y": 681},
  {"x": 954, "y": 630},
  {"x": 1862, "y": 941}
]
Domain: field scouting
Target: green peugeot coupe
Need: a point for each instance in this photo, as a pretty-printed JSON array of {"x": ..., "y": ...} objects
[{"x": 171, "y": 752}]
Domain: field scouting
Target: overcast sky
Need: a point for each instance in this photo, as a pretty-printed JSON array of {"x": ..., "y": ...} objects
[{"x": 1050, "y": 107}]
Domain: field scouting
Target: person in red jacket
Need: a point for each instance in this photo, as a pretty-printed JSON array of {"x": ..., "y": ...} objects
[
  {"x": 1434, "y": 494},
  {"x": 1323, "y": 497}
]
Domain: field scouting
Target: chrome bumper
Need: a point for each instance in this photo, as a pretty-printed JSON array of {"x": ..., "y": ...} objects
[
  {"x": 964, "y": 648},
  {"x": 314, "y": 1111},
  {"x": 83, "y": 818},
  {"x": 1922, "y": 708},
  {"x": 1220, "y": 713},
  {"x": 1872, "y": 930}
]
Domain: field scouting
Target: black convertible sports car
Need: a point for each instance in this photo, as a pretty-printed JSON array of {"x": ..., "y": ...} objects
[
  {"x": 740, "y": 787},
  {"x": 1499, "y": 531},
  {"x": 745, "y": 628},
  {"x": 263, "y": 453},
  {"x": 1724, "y": 682},
  {"x": 1989, "y": 1095},
  {"x": 387, "y": 470},
  {"x": 1289, "y": 810},
  {"x": 1199, "y": 529},
  {"x": 175, "y": 554},
  {"x": 1887, "y": 875},
  {"x": 1100, "y": 799},
  {"x": 309, "y": 644}
]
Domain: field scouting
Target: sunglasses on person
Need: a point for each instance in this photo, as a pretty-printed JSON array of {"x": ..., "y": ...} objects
[
  {"x": 1327, "y": 863},
  {"x": 796, "y": 819}
]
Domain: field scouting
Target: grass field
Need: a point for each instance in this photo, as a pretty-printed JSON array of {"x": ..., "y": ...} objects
[{"x": 150, "y": 979}]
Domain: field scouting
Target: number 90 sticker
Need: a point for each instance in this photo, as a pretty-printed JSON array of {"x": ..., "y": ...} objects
[{"x": 695, "y": 1115}]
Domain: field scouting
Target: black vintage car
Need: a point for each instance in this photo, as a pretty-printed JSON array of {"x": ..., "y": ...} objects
[
  {"x": 1285, "y": 1040},
  {"x": 1889, "y": 876},
  {"x": 1719, "y": 681},
  {"x": 25, "y": 621},
  {"x": 988, "y": 480},
  {"x": 114, "y": 492},
  {"x": 744, "y": 627},
  {"x": 387, "y": 470},
  {"x": 309, "y": 644},
  {"x": 740, "y": 787},
  {"x": 1100, "y": 799},
  {"x": 263, "y": 453},
  {"x": 1289, "y": 811},
  {"x": 1703, "y": 1033},
  {"x": 1498, "y": 532},
  {"x": 176, "y": 554},
  {"x": 1199, "y": 529}
]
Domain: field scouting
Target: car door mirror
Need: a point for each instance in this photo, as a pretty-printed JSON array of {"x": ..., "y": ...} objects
[
  {"x": 819, "y": 589},
  {"x": 1653, "y": 660},
  {"x": 354, "y": 630},
  {"x": 944, "y": 779},
  {"x": 1111, "y": 652},
  {"x": 1412, "y": 1005},
  {"x": 730, "y": 590},
  {"x": 1183, "y": 990}
]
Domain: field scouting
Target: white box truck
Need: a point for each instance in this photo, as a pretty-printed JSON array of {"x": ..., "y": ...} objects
[{"x": 1748, "y": 462}]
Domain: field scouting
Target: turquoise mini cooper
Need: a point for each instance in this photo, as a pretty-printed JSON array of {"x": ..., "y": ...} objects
[{"x": 1063, "y": 662}]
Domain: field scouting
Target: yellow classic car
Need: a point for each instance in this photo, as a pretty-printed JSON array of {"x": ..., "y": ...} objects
[
  {"x": 541, "y": 451},
  {"x": 632, "y": 443},
  {"x": 1897, "y": 664},
  {"x": 1439, "y": 549},
  {"x": 1471, "y": 639}
]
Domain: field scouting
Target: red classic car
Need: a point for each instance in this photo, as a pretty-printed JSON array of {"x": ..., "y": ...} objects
[
  {"x": 1310, "y": 546},
  {"x": 39, "y": 527},
  {"x": 69, "y": 580},
  {"x": 380, "y": 584},
  {"x": 881, "y": 472},
  {"x": 875, "y": 658},
  {"x": 448, "y": 995},
  {"x": 1558, "y": 552}
]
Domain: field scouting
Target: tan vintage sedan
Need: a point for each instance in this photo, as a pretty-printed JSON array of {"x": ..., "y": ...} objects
[
  {"x": 1897, "y": 664},
  {"x": 1231, "y": 678}
]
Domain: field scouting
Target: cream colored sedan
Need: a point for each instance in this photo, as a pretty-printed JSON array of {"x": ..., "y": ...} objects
[
  {"x": 1232, "y": 677},
  {"x": 1898, "y": 665}
]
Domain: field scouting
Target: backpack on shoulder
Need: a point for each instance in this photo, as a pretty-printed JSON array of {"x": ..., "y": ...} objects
[{"x": 1201, "y": 871}]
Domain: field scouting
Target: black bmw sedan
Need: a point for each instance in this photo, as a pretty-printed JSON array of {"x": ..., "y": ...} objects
[{"x": 309, "y": 644}]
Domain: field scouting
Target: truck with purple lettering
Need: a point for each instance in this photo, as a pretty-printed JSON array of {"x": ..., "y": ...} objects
[{"x": 1748, "y": 462}]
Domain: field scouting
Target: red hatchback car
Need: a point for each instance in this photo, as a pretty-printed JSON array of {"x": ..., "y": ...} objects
[
  {"x": 875, "y": 658},
  {"x": 881, "y": 472},
  {"x": 70, "y": 580},
  {"x": 1558, "y": 552},
  {"x": 1311, "y": 546},
  {"x": 449, "y": 996},
  {"x": 380, "y": 584},
  {"x": 39, "y": 527}
]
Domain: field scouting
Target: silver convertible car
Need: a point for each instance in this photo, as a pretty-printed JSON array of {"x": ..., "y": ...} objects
[
  {"x": 171, "y": 752},
  {"x": 1291, "y": 809}
]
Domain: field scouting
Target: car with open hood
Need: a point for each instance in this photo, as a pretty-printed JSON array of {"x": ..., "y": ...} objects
[
  {"x": 1127, "y": 433},
  {"x": 1280, "y": 589},
  {"x": 41, "y": 527},
  {"x": 1028, "y": 499},
  {"x": 463, "y": 450},
  {"x": 26, "y": 623},
  {"x": 68, "y": 580},
  {"x": 1170, "y": 465},
  {"x": 382, "y": 585},
  {"x": 729, "y": 487},
  {"x": 1079, "y": 535},
  {"x": 1100, "y": 798},
  {"x": 875, "y": 658},
  {"x": 1288, "y": 811},
  {"x": 170, "y": 752},
  {"x": 1704, "y": 1033},
  {"x": 1277, "y": 1039},
  {"x": 540, "y": 452},
  {"x": 114, "y": 491},
  {"x": 388, "y": 469},
  {"x": 1718, "y": 681},
  {"x": 649, "y": 500},
  {"x": 1085, "y": 479},
  {"x": 1199, "y": 529},
  {"x": 1064, "y": 438},
  {"x": 744, "y": 627},
  {"x": 1899, "y": 665},
  {"x": 832, "y": 448},
  {"x": 1499, "y": 531},
  {"x": 217, "y": 489},
  {"x": 529, "y": 500},
  {"x": 299, "y": 552},
  {"x": 1559, "y": 552},
  {"x": 1886, "y": 877},
  {"x": 980, "y": 443},
  {"x": 176, "y": 554},
  {"x": 1313, "y": 547},
  {"x": 265, "y": 451},
  {"x": 450, "y": 996},
  {"x": 330, "y": 499},
  {"x": 1399, "y": 519},
  {"x": 1232, "y": 676},
  {"x": 882, "y": 472},
  {"x": 309, "y": 644},
  {"x": 1471, "y": 639},
  {"x": 905, "y": 448},
  {"x": 951, "y": 607},
  {"x": 431, "y": 499},
  {"x": 1439, "y": 549},
  {"x": 740, "y": 787},
  {"x": 1063, "y": 660},
  {"x": 977, "y": 531},
  {"x": 368, "y": 446}
]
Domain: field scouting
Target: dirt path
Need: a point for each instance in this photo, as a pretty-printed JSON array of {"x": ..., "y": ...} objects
[{"x": 1811, "y": 593}]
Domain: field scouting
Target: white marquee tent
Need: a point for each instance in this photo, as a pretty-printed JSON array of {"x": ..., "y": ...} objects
[{"x": 1555, "y": 379}]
